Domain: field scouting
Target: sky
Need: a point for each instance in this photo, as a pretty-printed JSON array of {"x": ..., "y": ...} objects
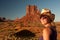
[{"x": 11, "y": 9}]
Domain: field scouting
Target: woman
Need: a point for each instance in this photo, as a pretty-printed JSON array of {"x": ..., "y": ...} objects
[{"x": 49, "y": 31}]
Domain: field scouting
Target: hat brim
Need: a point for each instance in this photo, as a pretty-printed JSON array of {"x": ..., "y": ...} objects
[{"x": 51, "y": 17}]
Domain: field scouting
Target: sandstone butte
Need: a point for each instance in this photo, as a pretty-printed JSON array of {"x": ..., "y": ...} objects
[{"x": 31, "y": 21}]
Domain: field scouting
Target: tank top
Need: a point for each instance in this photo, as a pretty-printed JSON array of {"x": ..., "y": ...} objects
[{"x": 53, "y": 35}]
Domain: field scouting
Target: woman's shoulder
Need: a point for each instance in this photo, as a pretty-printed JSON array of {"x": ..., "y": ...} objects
[{"x": 46, "y": 30}]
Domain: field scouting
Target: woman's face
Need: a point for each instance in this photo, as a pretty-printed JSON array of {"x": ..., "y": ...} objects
[{"x": 44, "y": 20}]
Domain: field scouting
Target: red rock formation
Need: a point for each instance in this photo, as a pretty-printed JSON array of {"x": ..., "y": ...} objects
[
  {"x": 32, "y": 15},
  {"x": 31, "y": 10},
  {"x": 31, "y": 19}
]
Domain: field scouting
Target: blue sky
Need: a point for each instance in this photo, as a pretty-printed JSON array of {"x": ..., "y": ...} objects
[{"x": 17, "y": 8}]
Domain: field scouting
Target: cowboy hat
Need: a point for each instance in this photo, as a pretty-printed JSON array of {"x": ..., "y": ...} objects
[{"x": 48, "y": 13}]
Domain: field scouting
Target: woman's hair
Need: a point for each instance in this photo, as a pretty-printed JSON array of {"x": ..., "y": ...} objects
[{"x": 53, "y": 25}]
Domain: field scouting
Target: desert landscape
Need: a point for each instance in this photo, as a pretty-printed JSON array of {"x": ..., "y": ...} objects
[{"x": 28, "y": 27}]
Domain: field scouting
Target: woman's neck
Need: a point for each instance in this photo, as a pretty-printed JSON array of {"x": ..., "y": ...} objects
[{"x": 48, "y": 25}]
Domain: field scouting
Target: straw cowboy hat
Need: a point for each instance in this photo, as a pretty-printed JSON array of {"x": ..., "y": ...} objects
[{"x": 47, "y": 12}]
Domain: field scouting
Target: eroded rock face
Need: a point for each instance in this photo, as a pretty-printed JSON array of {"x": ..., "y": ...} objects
[
  {"x": 32, "y": 14},
  {"x": 31, "y": 21}
]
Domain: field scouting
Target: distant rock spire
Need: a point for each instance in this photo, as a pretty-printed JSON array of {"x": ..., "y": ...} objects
[
  {"x": 31, "y": 10},
  {"x": 32, "y": 14}
]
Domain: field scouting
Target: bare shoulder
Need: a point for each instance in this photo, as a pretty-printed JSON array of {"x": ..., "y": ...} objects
[{"x": 47, "y": 30}]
